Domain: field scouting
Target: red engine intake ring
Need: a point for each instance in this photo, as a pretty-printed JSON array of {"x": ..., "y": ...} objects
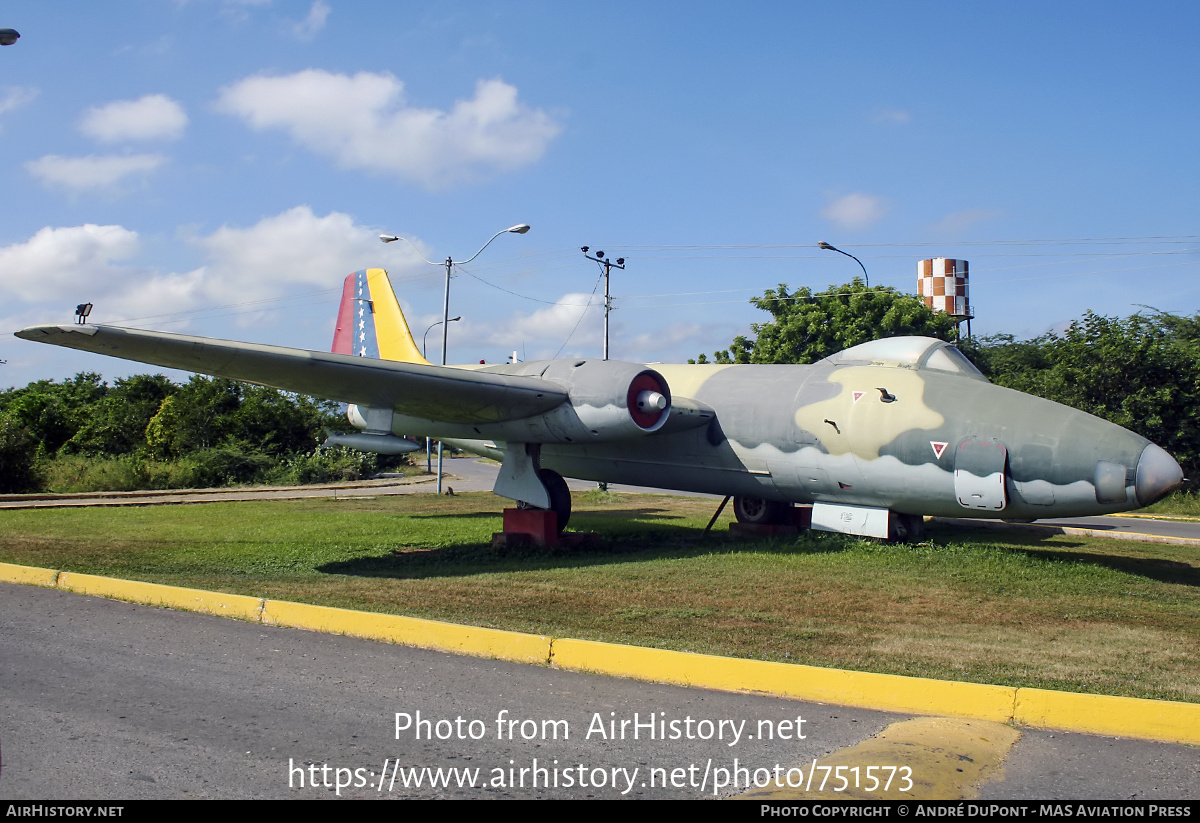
[{"x": 647, "y": 381}]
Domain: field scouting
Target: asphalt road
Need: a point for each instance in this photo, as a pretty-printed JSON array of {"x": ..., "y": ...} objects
[{"x": 107, "y": 700}]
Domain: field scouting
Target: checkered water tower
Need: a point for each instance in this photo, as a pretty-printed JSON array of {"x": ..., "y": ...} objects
[{"x": 942, "y": 284}]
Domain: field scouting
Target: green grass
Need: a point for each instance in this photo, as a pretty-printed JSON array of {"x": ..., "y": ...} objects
[
  {"x": 1180, "y": 503},
  {"x": 1092, "y": 615}
]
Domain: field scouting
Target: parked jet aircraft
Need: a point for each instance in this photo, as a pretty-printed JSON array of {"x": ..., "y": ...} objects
[{"x": 873, "y": 437}]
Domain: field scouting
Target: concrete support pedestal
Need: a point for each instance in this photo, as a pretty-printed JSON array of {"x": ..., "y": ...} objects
[
  {"x": 801, "y": 519},
  {"x": 538, "y": 527}
]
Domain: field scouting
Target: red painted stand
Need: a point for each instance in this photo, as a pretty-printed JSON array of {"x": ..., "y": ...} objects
[
  {"x": 801, "y": 520},
  {"x": 538, "y": 527},
  {"x": 525, "y": 526}
]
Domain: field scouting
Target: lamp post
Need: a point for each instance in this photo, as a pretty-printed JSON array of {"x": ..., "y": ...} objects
[
  {"x": 424, "y": 353},
  {"x": 827, "y": 247},
  {"x": 520, "y": 228},
  {"x": 425, "y": 338}
]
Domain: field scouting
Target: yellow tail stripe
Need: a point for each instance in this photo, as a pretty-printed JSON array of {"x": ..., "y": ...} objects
[{"x": 391, "y": 329}]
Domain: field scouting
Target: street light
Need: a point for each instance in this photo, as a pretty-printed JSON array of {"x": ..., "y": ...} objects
[
  {"x": 424, "y": 353},
  {"x": 827, "y": 247},
  {"x": 8, "y": 36},
  {"x": 520, "y": 228},
  {"x": 425, "y": 337}
]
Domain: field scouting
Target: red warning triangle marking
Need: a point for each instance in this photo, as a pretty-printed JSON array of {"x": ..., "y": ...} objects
[
  {"x": 938, "y": 448},
  {"x": 857, "y": 395}
]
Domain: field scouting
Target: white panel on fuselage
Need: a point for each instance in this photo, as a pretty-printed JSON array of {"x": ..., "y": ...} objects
[{"x": 861, "y": 520}]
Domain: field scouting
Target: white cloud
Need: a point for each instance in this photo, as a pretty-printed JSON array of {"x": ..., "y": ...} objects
[
  {"x": 570, "y": 328},
  {"x": 307, "y": 28},
  {"x": 674, "y": 335},
  {"x": 237, "y": 11},
  {"x": 896, "y": 116},
  {"x": 153, "y": 117},
  {"x": 13, "y": 97},
  {"x": 91, "y": 172},
  {"x": 295, "y": 250},
  {"x": 288, "y": 252},
  {"x": 145, "y": 294},
  {"x": 552, "y": 322},
  {"x": 543, "y": 332},
  {"x": 276, "y": 253},
  {"x": 956, "y": 223},
  {"x": 364, "y": 122},
  {"x": 67, "y": 262},
  {"x": 855, "y": 211}
]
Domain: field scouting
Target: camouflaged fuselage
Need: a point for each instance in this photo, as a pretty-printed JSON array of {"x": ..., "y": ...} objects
[{"x": 861, "y": 429}]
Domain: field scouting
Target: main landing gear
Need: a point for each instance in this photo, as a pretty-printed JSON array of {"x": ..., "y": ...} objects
[
  {"x": 560, "y": 496},
  {"x": 881, "y": 523},
  {"x": 753, "y": 511},
  {"x": 905, "y": 528}
]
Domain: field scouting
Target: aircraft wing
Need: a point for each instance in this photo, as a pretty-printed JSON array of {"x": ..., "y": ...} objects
[{"x": 429, "y": 392}]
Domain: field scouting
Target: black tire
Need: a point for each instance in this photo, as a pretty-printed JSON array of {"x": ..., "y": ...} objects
[
  {"x": 754, "y": 511},
  {"x": 560, "y": 495},
  {"x": 905, "y": 528}
]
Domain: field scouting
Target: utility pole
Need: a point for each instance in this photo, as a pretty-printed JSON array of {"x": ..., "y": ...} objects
[
  {"x": 608, "y": 266},
  {"x": 450, "y": 263}
]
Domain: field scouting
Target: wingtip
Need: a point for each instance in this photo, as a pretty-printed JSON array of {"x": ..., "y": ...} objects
[{"x": 38, "y": 334}]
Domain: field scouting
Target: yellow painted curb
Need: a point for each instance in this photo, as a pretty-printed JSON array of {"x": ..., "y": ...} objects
[
  {"x": 411, "y": 631},
  {"x": 28, "y": 575},
  {"x": 155, "y": 594},
  {"x": 1165, "y": 720},
  {"x": 930, "y": 758},
  {"x": 885, "y": 692}
]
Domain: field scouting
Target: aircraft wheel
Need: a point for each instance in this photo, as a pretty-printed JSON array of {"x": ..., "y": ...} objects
[
  {"x": 754, "y": 511},
  {"x": 906, "y": 527},
  {"x": 560, "y": 495}
]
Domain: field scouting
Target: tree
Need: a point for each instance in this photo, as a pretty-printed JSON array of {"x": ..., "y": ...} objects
[
  {"x": 1141, "y": 372},
  {"x": 53, "y": 412},
  {"x": 117, "y": 422},
  {"x": 197, "y": 416},
  {"x": 280, "y": 423},
  {"x": 17, "y": 457},
  {"x": 808, "y": 326},
  {"x": 211, "y": 412}
]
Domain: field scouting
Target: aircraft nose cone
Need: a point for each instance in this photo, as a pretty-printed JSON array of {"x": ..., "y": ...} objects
[{"x": 1157, "y": 475}]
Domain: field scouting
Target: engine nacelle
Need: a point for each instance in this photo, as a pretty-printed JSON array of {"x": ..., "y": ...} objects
[{"x": 608, "y": 400}]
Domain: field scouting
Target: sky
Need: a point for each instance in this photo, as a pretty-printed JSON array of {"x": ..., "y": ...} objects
[{"x": 217, "y": 167}]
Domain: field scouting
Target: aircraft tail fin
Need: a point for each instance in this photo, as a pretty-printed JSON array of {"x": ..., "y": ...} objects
[{"x": 370, "y": 322}]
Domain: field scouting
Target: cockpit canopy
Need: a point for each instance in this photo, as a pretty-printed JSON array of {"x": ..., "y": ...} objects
[{"x": 921, "y": 353}]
